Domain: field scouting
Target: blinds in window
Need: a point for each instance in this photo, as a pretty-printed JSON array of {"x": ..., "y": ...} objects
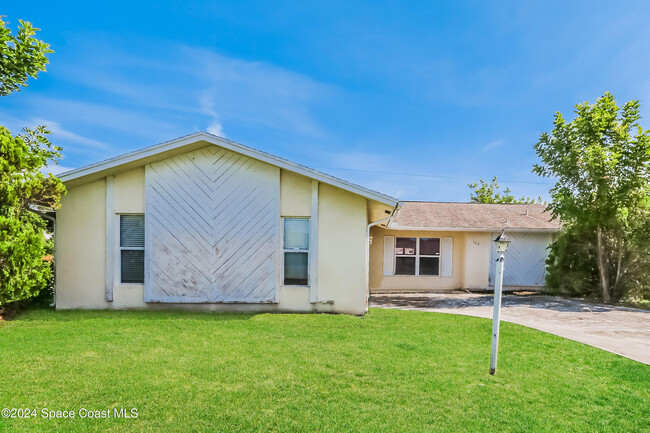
[
  {"x": 296, "y": 233},
  {"x": 132, "y": 248},
  {"x": 132, "y": 231},
  {"x": 132, "y": 265}
]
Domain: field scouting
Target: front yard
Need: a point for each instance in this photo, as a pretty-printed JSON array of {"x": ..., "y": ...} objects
[{"x": 389, "y": 371}]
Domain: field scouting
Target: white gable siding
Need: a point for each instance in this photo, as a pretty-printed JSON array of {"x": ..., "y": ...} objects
[{"x": 212, "y": 228}]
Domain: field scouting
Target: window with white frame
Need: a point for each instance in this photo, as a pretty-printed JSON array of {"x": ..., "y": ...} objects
[
  {"x": 296, "y": 251},
  {"x": 132, "y": 248},
  {"x": 417, "y": 256}
]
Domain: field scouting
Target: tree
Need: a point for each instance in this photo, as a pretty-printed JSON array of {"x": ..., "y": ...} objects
[
  {"x": 571, "y": 265},
  {"x": 21, "y": 56},
  {"x": 601, "y": 163},
  {"x": 23, "y": 188},
  {"x": 489, "y": 193}
]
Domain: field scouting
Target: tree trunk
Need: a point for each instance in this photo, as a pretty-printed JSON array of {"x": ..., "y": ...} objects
[
  {"x": 619, "y": 268},
  {"x": 602, "y": 265}
]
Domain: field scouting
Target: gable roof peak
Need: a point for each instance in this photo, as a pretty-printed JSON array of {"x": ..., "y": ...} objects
[{"x": 163, "y": 150}]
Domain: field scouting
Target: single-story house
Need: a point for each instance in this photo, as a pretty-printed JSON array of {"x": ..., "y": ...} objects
[
  {"x": 430, "y": 246},
  {"x": 202, "y": 222}
]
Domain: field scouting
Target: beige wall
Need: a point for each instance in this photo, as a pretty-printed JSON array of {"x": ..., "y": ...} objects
[
  {"x": 129, "y": 191},
  {"x": 341, "y": 250},
  {"x": 81, "y": 247},
  {"x": 81, "y": 243},
  {"x": 342, "y": 219},
  {"x": 295, "y": 195},
  {"x": 129, "y": 198},
  {"x": 477, "y": 260},
  {"x": 470, "y": 263},
  {"x": 392, "y": 283},
  {"x": 295, "y": 201}
]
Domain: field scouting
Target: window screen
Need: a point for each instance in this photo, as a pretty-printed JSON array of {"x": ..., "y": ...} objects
[
  {"x": 132, "y": 262},
  {"x": 295, "y": 269},
  {"x": 296, "y": 251},
  {"x": 429, "y": 246},
  {"x": 405, "y": 256},
  {"x": 132, "y": 248},
  {"x": 405, "y": 246},
  {"x": 417, "y": 256},
  {"x": 429, "y": 265},
  {"x": 404, "y": 265}
]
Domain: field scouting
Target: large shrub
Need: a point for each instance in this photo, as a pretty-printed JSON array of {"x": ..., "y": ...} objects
[{"x": 24, "y": 189}]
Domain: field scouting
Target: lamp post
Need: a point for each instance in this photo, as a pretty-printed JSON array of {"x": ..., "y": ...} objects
[{"x": 501, "y": 243}]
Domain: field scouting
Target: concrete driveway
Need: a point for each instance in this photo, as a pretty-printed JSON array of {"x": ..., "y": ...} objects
[{"x": 625, "y": 331}]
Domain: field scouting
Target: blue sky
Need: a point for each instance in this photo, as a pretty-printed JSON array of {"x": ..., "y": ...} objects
[{"x": 414, "y": 99}]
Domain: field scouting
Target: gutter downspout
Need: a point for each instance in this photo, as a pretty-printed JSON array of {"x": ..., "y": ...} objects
[
  {"x": 53, "y": 251},
  {"x": 387, "y": 220}
]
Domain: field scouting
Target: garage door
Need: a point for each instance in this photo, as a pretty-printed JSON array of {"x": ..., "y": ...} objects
[
  {"x": 524, "y": 260},
  {"x": 211, "y": 228}
]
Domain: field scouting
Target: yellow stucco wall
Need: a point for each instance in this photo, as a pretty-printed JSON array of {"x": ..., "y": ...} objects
[
  {"x": 477, "y": 260},
  {"x": 129, "y": 198},
  {"x": 295, "y": 201},
  {"x": 81, "y": 247},
  {"x": 295, "y": 195},
  {"x": 129, "y": 191},
  {"x": 395, "y": 283},
  {"x": 341, "y": 250}
]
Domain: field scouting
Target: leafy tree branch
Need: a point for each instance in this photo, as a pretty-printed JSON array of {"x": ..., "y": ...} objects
[
  {"x": 489, "y": 193},
  {"x": 23, "y": 186}
]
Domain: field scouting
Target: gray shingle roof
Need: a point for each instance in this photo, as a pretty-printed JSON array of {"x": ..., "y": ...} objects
[{"x": 474, "y": 216}]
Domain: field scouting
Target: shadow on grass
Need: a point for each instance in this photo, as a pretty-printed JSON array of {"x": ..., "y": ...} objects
[
  {"x": 464, "y": 301},
  {"x": 50, "y": 314}
]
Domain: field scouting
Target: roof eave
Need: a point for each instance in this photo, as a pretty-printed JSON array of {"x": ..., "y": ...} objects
[
  {"x": 475, "y": 229},
  {"x": 150, "y": 151}
]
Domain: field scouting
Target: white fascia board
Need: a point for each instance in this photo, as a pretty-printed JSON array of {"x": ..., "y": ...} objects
[
  {"x": 116, "y": 161},
  {"x": 235, "y": 147}
]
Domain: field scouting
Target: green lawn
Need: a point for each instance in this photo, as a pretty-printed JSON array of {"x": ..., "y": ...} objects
[{"x": 389, "y": 371}]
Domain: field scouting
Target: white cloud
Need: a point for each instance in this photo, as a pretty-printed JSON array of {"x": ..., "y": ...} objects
[
  {"x": 207, "y": 106},
  {"x": 376, "y": 171},
  {"x": 493, "y": 145},
  {"x": 142, "y": 96},
  {"x": 100, "y": 117},
  {"x": 55, "y": 169},
  {"x": 216, "y": 128},
  {"x": 361, "y": 160},
  {"x": 193, "y": 85},
  {"x": 72, "y": 142},
  {"x": 59, "y": 132},
  {"x": 255, "y": 94}
]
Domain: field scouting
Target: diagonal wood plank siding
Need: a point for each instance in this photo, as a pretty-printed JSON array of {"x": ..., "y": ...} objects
[
  {"x": 525, "y": 259},
  {"x": 212, "y": 228}
]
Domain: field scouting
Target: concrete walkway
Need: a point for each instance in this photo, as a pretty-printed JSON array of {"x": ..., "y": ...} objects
[{"x": 625, "y": 331}]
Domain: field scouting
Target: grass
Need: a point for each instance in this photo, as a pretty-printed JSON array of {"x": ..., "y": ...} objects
[{"x": 388, "y": 371}]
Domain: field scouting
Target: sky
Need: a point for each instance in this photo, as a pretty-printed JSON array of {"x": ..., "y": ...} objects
[{"x": 412, "y": 99}]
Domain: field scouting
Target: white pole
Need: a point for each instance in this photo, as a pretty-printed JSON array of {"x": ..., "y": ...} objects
[{"x": 498, "y": 283}]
